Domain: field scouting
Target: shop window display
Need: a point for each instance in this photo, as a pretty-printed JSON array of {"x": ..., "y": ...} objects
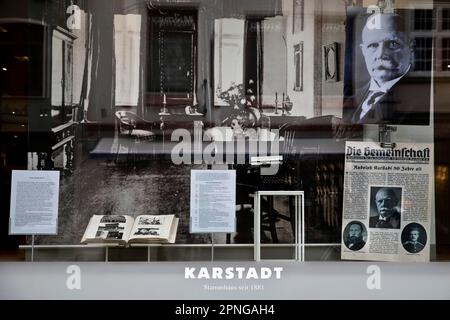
[{"x": 130, "y": 98}]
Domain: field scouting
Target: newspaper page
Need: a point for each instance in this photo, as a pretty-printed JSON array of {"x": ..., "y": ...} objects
[{"x": 387, "y": 202}]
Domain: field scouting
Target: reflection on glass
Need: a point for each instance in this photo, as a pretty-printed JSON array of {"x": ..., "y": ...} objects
[
  {"x": 127, "y": 41},
  {"x": 228, "y": 54},
  {"x": 21, "y": 60}
]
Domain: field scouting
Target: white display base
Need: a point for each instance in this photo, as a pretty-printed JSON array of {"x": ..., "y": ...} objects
[{"x": 167, "y": 280}]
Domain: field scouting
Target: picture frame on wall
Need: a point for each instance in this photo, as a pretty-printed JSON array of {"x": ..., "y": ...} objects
[
  {"x": 298, "y": 66},
  {"x": 298, "y": 15},
  {"x": 331, "y": 62}
]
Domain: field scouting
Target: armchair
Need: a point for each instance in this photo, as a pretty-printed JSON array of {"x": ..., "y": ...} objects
[
  {"x": 130, "y": 124},
  {"x": 132, "y": 129}
]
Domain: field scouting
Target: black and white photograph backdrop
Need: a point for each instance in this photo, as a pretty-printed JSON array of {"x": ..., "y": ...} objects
[{"x": 386, "y": 58}]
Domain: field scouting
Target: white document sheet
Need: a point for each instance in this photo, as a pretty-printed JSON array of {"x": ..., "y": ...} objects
[
  {"x": 213, "y": 201},
  {"x": 34, "y": 202}
]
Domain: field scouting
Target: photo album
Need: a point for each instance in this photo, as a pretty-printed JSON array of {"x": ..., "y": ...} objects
[{"x": 123, "y": 229}]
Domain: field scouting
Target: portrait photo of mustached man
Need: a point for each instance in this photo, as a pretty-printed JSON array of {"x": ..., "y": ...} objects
[
  {"x": 385, "y": 207},
  {"x": 387, "y": 75}
]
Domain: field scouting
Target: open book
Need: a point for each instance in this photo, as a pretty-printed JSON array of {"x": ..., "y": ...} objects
[{"x": 124, "y": 229}]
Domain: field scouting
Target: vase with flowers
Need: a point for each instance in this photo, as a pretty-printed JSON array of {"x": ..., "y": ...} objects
[
  {"x": 243, "y": 116},
  {"x": 236, "y": 96}
]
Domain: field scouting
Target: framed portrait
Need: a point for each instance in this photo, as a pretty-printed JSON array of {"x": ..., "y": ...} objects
[
  {"x": 397, "y": 75},
  {"x": 298, "y": 15},
  {"x": 298, "y": 67},
  {"x": 331, "y": 62}
]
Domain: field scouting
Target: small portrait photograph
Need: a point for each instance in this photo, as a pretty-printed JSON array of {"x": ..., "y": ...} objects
[
  {"x": 118, "y": 219},
  {"x": 150, "y": 221},
  {"x": 414, "y": 238},
  {"x": 147, "y": 232},
  {"x": 385, "y": 207},
  {"x": 355, "y": 236},
  {"x": 385, "y": 60}
]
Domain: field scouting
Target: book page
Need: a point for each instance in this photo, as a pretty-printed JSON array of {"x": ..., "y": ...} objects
[
  {"x": 152, "y": 227},
  {"x": 108, "y": 228}
]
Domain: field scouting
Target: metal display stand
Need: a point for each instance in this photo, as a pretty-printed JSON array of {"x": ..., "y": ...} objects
[
  {"x": 299, "y": 237},
  {"x": 385, "y": 137},
  {"x": 32, "y": 248},
  {"x": 212, "y": 246}
]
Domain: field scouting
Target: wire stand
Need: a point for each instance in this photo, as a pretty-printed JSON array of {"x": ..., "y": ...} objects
[
  {"x": 212, "y": 247},
  {"x": 32, "y": 248},
  {"x": 385, "y": 136}
]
